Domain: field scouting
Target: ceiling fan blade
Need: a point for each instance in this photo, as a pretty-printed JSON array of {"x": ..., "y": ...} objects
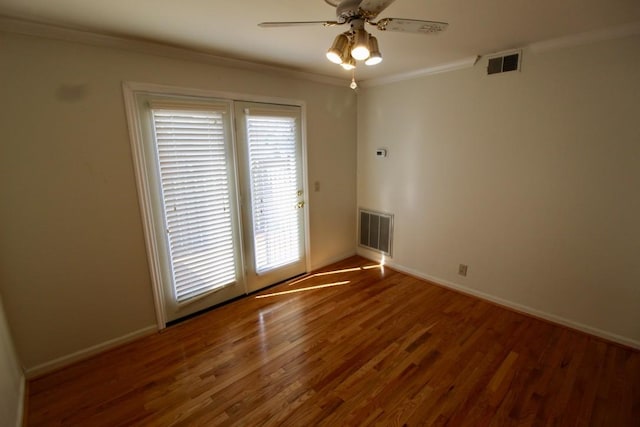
[
  {"x": 296, "y": 24},
  {"x": 372, "y": 8},
  {"x": 411, "y": 25}
]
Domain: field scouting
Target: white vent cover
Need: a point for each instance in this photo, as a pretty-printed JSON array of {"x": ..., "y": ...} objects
[
  {"x": 504, "y": 62},
  {"x": 376, "y": 230}
]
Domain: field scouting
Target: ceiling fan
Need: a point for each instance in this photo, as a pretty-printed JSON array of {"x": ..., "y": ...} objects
[{"x": 357, "y": 44}]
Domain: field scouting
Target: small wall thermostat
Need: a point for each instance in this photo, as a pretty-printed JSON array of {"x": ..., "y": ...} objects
[{"x": 381, "y": 152}]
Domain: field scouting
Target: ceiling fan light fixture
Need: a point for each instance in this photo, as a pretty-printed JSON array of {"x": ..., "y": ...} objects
[
  {"x": 336, "y": 51},
  {"x": 360, "y": 50},
  {"x": 375, "y": 57}
]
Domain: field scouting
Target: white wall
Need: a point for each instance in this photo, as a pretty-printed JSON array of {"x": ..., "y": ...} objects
[
  {"x": 72, "y": 255},
  {"x": 530, "y": 178},
  {"x": 11, "y": 377}
]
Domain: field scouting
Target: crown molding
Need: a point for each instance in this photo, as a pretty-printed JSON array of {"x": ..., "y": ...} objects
[
  {"x": 50, "y": 31},
  {"x": 610, "y": 33},
  {"x": 451, "y": 66},
  {"x": 67, "y": 34},
  {"x": 589, "y": 37}
]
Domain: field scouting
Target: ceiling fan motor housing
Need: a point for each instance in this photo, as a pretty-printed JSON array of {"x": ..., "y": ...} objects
[{"x": 346, "y": 10}]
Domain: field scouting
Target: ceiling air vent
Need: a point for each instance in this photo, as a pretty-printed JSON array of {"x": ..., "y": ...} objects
[
  {"x": 504, "y": 63},
  {"x": 376, "y": 231}
]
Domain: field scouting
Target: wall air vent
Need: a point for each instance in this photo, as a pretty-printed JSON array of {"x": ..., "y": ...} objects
[
  {"x": 376, "y": 231},
  {"x": 504, "y": 62}
]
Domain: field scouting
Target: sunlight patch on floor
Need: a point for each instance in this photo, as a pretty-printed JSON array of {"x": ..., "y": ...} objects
[
  {"x": 345, "y": 270},
  {"x": 327, "y": 285}
]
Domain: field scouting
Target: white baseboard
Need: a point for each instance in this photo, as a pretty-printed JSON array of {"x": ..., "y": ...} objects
[
  {"x": 63, "y": 361},
  {"x": 513, "y": 305}
]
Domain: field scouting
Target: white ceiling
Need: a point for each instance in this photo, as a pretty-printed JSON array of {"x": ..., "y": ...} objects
[{"x": 229, "y": 28}]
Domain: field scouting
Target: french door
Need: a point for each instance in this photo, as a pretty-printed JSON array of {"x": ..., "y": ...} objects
[
  {"x": 224, "y": 181},
  {"x": 273, "y": 196}
]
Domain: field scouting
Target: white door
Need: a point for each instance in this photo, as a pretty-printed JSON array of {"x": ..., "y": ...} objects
[
  {"x": 270, "y": 149},
  {"x": 223, "y": 216}
]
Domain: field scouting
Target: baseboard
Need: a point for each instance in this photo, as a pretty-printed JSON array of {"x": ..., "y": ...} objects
[
  {"x": 628, "y": 342},
  {"x": 63, "y": 361},
  {"x": 21, "y": 418}
]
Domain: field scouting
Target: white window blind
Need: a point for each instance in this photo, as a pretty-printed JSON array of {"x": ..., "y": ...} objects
[
  {"x": 274, "y": 190},
  {"x": 194, "y": 173}
]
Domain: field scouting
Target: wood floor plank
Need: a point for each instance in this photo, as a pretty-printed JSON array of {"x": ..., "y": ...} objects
[{"x": 350, "y": 346}]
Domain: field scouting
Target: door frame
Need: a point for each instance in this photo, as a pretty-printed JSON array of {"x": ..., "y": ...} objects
[{"x": 130, "y": 91}]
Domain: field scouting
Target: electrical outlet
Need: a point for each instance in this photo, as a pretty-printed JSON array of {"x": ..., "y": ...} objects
[
  {"x": 462, "y": 270},
  {"x": 316, "y": 186}
]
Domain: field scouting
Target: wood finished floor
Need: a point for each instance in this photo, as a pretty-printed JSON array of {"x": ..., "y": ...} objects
[{"x": 383, "y": 348}]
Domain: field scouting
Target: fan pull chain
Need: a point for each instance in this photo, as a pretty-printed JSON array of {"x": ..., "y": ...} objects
[{"x": 353, "y": 84}]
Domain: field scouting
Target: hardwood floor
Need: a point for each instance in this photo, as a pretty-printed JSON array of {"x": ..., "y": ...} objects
[{"x": 376, "y": 347}]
